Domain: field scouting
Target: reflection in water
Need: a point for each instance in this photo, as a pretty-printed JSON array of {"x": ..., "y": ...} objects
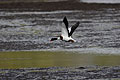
[{"x": 51, "y": 59}]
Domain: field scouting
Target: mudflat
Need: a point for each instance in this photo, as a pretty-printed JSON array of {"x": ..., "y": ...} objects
[
  {"x": 23, "y": 29},
  {"x": 62, "y": 73},
  {"x": 60, "y": 5}
]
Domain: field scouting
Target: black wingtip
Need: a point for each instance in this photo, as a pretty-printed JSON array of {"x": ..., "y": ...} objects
[
  {"x": 64, "y": 19},
  {"x": 78, "y": 22},
  {"x": 73, "y": 28}
]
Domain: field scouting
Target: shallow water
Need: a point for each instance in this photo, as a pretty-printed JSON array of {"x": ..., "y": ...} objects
[
  {"x": 101, "y": 1},
  {"x": 98, "y": 32},
  {"x": 27, "y": 59}
]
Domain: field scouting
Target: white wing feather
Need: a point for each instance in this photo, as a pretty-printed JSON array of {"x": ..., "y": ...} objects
[
  {"x": 69, "y": 29},
  {"x": 64, "y": 31}
]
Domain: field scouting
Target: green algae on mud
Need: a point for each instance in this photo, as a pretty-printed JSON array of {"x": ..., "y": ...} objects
[{"x": 30, "y": 59}]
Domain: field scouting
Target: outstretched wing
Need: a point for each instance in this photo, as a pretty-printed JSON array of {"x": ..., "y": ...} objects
[
  {"x": 65, "y": 31},
  {"x": 73, "y": 28}
]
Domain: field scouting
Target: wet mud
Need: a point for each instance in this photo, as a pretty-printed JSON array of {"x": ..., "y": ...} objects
[
  {"x": 56, "y": 5},
  {"x": 32, "y": 29},
  {"x": 56, "y": 73}
]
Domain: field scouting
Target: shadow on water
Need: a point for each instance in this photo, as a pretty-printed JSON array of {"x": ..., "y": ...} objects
[{"x": 29, "y": 59}]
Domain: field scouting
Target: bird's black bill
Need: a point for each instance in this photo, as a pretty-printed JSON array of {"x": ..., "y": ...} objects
[{"x": 53, "y": 39}]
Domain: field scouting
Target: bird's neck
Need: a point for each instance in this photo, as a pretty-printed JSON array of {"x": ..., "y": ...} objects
[{"x": 61, "y": 37}]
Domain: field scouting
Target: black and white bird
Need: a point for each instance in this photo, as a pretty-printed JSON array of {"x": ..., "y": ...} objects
[{"x": 66, "y": 33}]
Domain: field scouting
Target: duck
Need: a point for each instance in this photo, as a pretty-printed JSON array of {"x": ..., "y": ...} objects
[{"x": 66, "y": 31}]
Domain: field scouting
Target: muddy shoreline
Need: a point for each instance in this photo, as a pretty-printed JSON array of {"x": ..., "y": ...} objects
[
  {"x": 52, "y": 6},
  {"x": 62, "y": 73}
]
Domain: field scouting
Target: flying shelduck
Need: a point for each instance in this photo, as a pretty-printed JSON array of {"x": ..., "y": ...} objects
[{"x": 66, "y": 33}]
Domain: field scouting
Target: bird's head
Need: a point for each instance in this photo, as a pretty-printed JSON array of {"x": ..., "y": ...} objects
[{"x": 53, "y": 39}]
